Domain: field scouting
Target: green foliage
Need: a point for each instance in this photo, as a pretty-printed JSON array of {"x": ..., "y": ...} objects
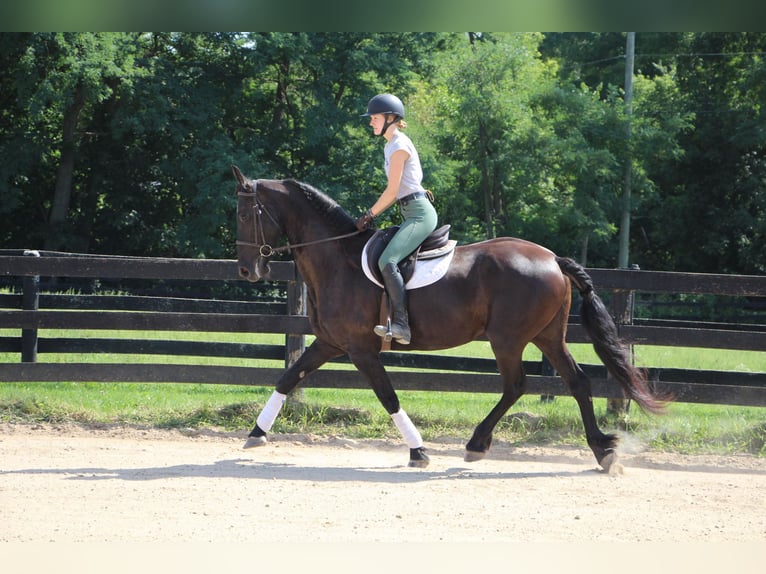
[
  {"x": 122, "y": 142},
  {"x": 478, "y": 111}
]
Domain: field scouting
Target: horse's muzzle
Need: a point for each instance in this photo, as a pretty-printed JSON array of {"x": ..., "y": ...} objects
[{"x": 255, "y": 272}]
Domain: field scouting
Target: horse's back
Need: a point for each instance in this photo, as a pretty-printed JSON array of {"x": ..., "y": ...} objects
[{"x": 510, "y": 257}]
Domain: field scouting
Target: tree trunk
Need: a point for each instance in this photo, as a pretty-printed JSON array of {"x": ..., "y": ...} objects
[
  {"x": 486, "y": 182},
  {"x": 63, "y": 191},
  {"x": 584, "y": 249}
]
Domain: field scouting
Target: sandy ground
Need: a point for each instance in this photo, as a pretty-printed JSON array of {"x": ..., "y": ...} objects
[{"x": 131, "y": 485}]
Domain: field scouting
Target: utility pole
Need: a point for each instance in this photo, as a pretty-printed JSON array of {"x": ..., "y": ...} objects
[
  {"x": 623, "y": 253},
  {"x": 622, "y": 300}
]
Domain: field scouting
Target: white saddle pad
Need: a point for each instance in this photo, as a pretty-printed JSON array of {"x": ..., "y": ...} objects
[{"x": 427, "y": 271}]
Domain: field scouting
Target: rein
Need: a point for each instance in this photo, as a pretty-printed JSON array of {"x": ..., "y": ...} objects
[{"x": 264, "y": 249}]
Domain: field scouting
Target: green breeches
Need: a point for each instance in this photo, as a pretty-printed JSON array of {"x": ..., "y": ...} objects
[{"x": 419, "y": 221}]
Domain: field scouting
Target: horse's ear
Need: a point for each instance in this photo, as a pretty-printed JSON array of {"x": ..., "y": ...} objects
[{"x": 238, "y": 174}]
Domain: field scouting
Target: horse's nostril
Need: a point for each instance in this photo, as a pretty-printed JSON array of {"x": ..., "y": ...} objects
[{"x": 243, "y": 272}]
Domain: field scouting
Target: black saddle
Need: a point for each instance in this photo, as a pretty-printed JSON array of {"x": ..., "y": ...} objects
[{"x": 435, "y": 245}]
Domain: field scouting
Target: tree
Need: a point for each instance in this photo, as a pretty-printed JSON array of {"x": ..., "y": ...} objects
[
  {"x": 538, "y": 159},
  {"x": 711, "y": 218},
  {"x": 61, "y": 77},
  {"x": 121, "y": 143},
  {"x": 478, "y": 113},
  {"x": 311, "y": 92},
  {"x": 660, "y": 116},
  {"x": 581, "y": 156}
]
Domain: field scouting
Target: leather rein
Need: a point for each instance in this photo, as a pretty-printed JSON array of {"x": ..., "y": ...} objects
[{"x": 264, "y": 249}]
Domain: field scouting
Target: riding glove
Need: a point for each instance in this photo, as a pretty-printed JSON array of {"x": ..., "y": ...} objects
[{"x": 365, "y": 221}]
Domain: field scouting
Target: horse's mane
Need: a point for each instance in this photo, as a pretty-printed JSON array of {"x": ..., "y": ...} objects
[{"x": 323, "y": 204}]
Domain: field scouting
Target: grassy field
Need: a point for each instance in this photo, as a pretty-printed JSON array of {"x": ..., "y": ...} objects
[{"x": 686, "y": 428}]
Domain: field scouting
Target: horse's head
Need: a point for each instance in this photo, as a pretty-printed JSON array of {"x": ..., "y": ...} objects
[{"x": 258, "y": 228}]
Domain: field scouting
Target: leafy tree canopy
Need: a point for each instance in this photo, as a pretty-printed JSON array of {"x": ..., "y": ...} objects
[{"x": 122, "y": 142}]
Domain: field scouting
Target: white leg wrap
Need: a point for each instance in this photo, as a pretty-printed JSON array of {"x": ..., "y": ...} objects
[
  {"x": 409, "y": 432},
  {"x": 270, "y": 411}
]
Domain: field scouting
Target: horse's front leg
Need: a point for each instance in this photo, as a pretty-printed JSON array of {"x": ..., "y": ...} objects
[
  {"x": 314, "y": 357},
  {"x": 371, "y": 367}
]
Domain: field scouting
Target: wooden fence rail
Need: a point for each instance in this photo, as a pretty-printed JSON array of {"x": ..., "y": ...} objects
[{"x": 73, "y": 313}]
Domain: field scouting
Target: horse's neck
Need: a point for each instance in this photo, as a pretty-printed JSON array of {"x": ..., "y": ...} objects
[{"x": 326, "y": 262}]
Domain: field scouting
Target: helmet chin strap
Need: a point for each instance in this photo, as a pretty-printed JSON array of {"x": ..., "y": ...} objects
[{"x": 388, "y": 124}]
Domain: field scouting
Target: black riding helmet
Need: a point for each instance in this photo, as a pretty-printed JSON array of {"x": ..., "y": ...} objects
[{"x": 387, "y": 104}]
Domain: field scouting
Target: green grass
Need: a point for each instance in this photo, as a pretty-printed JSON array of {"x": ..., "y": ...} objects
[{"x": 687, "y": 428}]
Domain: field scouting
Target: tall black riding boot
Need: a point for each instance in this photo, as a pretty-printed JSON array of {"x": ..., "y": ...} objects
[{"x": 397, "y": 294}]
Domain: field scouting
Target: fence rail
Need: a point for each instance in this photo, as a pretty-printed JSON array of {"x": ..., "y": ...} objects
[{"x": 31, "y": 311}]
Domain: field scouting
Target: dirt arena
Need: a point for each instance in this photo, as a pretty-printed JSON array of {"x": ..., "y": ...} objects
[{"x": 128, "y": 485}]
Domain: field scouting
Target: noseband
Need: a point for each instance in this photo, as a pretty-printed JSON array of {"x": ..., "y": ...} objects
[{"x": 264, "y": 249}]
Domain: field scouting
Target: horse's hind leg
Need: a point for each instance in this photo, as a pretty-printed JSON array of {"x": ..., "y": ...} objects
[
  {"x": 602, "y": 445},
  {"x": 514, "y": 386}
]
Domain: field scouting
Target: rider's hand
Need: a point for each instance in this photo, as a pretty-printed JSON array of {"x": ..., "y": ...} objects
[{"x": 364, "y": 221}]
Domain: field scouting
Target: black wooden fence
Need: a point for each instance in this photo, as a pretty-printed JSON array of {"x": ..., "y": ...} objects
[{"x": 24, "y": 308}]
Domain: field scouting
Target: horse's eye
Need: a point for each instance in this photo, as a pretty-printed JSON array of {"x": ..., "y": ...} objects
[{"x": 244, "y": 216}]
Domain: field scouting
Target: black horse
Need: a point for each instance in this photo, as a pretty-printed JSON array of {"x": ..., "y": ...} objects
[{"x": 508, "y": 290}]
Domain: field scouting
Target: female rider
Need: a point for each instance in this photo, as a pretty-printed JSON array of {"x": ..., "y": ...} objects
[{"x": 402, "y": 166}]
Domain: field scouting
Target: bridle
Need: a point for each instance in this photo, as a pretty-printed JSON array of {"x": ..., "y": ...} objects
[{"x": 264, "y": 249}]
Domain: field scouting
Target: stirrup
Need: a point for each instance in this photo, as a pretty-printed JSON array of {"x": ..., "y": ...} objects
[{"x": 384, "y": 331}]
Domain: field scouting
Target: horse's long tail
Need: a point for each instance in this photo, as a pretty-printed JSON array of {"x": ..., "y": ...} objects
[{"x": 612, "y": 351}]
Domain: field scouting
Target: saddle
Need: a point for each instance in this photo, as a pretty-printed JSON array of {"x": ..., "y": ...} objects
[{"x": 436, "y": 245}]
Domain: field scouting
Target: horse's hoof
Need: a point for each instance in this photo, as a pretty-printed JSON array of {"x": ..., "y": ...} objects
[
  {"x": 253, "y": 441},
  {"x": 610, "y": 464},
  {"x": 473, "y": 455},
  {"x": 418, "y": 458}
]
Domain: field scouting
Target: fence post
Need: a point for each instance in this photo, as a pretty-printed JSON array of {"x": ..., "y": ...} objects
[
  {"x": 296, "y": 305},
  {"x": 295, "y": 344},
  {"x": 547, "y": 370},
  {"x": 622, "y": 312},
  {"x": 30, "y": 301}
]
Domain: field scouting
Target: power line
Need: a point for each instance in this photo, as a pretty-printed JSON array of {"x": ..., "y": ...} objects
[
  {"x": 705, "y": 54},
  {"x": 673, "y": 55}
]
